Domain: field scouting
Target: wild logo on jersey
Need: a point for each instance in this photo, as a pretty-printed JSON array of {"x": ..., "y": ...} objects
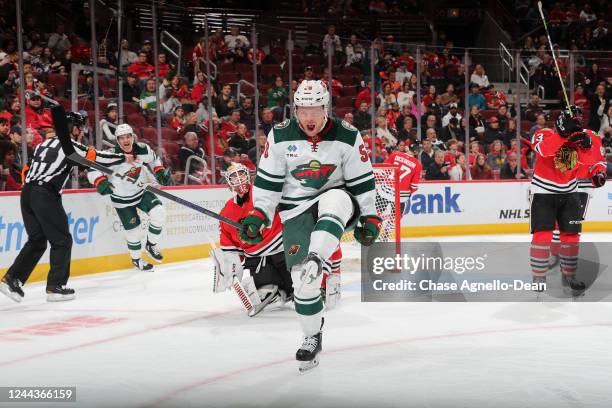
[
  {"x": 313, "y": 174},
  {"x": 134, "y": 172},
  {"x": 566, "y": 158}
]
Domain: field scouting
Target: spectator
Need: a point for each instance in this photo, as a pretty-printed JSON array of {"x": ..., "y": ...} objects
[
  {"x": 354, "y": 52},
  {"x": 451, "y": 130},
  {"x": 580, "y": 99},
  {"x": 407, "y": 133},
  {"x": 474, "y": 152},
  {"x": 147, "y": 48},
  {"x": 247, "y": 113},
  {"x": 481, "y": 169},
  {"x": 606, "y": 122},
  {"x": 109, "y": 123},
  {"x": 309, "y": 74},
  {"x": 235, "y": 41},
  {"x": 402, "y": 75},
  {"x": 449, "y": 98},
  {"x": 331, "y": 39},
  {"x": 457, "y": 171},
  {"x": 336, "y": 86},
  {"x": 438, "y": 170},
  {"x": 432, "y": 136},
  {"x": 131, "y": 90},
  {"x": 452, "y": 113},
  {"x": 225, "y": 103},
  {"x": 546, "y": 76},
  {"x": 163, "y": 68},
  {"x": 58, "y": 41},
  {"x": 348, "y": 118},
  {"x": 430, "y": 123},
  {"x": 362, "y": 118},
  {"x": 365, "y": 95},
  {"x": 37, "y": 117},
  {"x": 191, "y": 147},
  {"x": 430, "y": 98},
  {"x": 178, "y": 119},
  {"x": 509, "y": 171},
  {"x": 476, "y": 98},
  {"x": 599, "y": 34},
  {"x": 496, "y": 156},
  {"x": 258, "y": 57},
  {"x": 405, "y": 96},
  {"x": 599, "y": 105},
  {"x": 198, "y": 92},
  {"x": 148, "y": 101},
  {"x": 493, "y": 132},
  {"x": 479, "y": 77},
  {"x": 533, "y": 108},
  {"x": 230, "y": 155},
  {"x": 127, "y": 57},
  {"x": 15, "y": 138},
  {"x": 5, "y": 127},
  {"x": 510, "y": 133},
  {"x": 406, "y": 113},
  {"x": 267, "y": 120},
  {"x": 384, "y": 133},
  {"x": 540, "y": 124},
  {"x": 587, "y": 15},
  {"x": 503, "y": 115},
  {"x": 426, "y": 155},
  {"x": 260, "y": 147},
  {"x": 277, "y": 95},
  {"x": 230, "y": 124},
  {"x": 141, "y": 68},
  {"x": 10, "y": 179}
]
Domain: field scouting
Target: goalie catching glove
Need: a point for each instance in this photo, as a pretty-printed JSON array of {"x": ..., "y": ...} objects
[
  {"x": 599, "y": 179},
  {"x": 368, "y": 229},
  {"x": 253, "y": 223}
]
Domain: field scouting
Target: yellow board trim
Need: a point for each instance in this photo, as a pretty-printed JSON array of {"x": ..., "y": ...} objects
[{"x": 99, "y": 264}]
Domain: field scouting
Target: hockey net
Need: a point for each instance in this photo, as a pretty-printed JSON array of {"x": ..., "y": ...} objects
[{"x": 387, "y": 205}]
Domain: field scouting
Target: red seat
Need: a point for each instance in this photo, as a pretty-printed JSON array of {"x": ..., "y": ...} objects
[
  {"x": 344, "y": 102},
  {"x": 526, "y": 125},
  {"x": 243, "y": 67},
  {"x": 112, "y": 83},
  {"x": 67, "y": 105},
  {"x": 247, "y": 76},
  {"x": 227, "y": 67},
  {"x": 130, "y": 108},
  {"x": 169, "y": 134},
  {"x": 103, "y": 104},
  {"x": 349, "y": 91},
  {"x": 340, "y": 112},
  {"x": 270, "y": 70},
  {"x": 149, "y": 133},
  {"x": 57, "y": 81},
  {"x": 84, "y": 104},
  {"x": 228, "y": 77},
  {"x": 488, "y": 114},
  {"x": 136, "y": 120},
  {"x": 353, "y": 71}
]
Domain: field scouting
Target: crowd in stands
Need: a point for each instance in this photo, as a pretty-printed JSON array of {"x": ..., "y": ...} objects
[{"x": 229, "y": 133}]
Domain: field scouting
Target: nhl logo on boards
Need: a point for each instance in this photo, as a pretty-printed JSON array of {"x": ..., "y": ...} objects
[{"x": 293, "y": 250}]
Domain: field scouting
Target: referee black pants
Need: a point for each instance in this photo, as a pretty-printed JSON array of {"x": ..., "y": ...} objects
[{"x": 45, "y": 220}]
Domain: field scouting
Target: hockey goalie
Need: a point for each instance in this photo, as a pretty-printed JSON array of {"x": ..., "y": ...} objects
[{"x": 316, "y": 171}]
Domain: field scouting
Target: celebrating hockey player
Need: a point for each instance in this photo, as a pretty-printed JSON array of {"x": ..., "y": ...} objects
[
  {"x": 409, "y": 172},
  {"x": 127, "y": 197},
  {"x": 561, "y": 156},
  {"x": 317, "y": 172},
  {"x": 265, "y": 261}
]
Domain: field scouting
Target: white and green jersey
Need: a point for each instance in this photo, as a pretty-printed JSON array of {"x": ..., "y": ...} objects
[
  {"x": 295, "y": 169},
  {"x": 126, "y": 194}
]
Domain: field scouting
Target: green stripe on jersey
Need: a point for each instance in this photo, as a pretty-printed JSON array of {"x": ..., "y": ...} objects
[
  {"x": 262, "y": 183},
  {"x": 357, "y": 189},
  {"x": 370, "y": 173},
  {"x": 270, "y": 175}
]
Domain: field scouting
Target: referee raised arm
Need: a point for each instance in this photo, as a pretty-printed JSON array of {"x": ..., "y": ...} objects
[{"x": 45, "y": 218}]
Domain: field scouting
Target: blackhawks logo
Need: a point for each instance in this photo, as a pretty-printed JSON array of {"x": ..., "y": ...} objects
[
  {"x": 566, "y": 158},
  {"x": 314, "y": 174}
]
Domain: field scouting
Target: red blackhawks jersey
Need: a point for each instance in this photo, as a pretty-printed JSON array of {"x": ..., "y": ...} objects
[
  {"x": 558, "y": 163},
  {"x": 409, "y": 173},
  {"x": 230, "y": 241},
  {"x": 597, "y": 162}
]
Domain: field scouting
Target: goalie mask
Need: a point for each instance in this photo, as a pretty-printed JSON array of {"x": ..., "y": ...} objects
[
  {"x": 238, "y": 179},
  {"x": 125, "y": 137},
  {"x": 311, "y": 100}
]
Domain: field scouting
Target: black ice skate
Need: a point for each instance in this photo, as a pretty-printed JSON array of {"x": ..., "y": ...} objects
[
  {"x": 540, "y": 282},
  {"x": 11, "y": 287},
  {"x": 308, "y": 353},
  {"x": 59, "y": 294},
  {"x": 153, "y": 252},
  {"x": 572, "y": 286},
  {"x": 142, "y": 265}
]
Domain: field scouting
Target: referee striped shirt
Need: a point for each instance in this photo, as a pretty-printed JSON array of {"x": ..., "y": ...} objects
[{"x": 51, "y": 166}]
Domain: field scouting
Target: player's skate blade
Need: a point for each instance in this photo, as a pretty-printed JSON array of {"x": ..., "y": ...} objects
[
  {"x": 572, "y": 286},
  {"x": 142, "y": 265},
  {"x": 12, "y": 289},
  {"x": 60, "y": 294},
  {"x": 306, "y": 366},
  {"x": 154, "y": 252},
  {"x": 308, "y": 353}
]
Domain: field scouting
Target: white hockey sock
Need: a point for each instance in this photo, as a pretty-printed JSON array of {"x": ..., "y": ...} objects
[
  {"x": 157, "y": 217},
  {"x": 134, "y": 245}
]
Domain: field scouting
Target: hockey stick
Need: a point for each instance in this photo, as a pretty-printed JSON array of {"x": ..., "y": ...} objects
[
  {"x": 61, "y": 129},
  {"x": 555, "y": 59}
]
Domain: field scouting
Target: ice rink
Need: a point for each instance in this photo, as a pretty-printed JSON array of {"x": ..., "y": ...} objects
[{"x": 163, "y": 339}]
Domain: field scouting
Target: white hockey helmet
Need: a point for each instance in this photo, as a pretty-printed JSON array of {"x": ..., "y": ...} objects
[
  {"x": 124, "y": 129},
  {"x": 311, "y": 93},
  {"x": 238, "y": 178}
]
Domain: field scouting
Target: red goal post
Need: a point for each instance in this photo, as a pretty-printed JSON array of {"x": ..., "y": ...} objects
[{"x": 387, "y": 205}]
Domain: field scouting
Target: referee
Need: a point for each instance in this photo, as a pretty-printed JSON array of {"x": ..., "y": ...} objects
[{"x": 45, "y": 218}]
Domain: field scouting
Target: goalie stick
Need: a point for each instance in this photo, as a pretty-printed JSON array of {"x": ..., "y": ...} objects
[{"x": 61, "y": 129}]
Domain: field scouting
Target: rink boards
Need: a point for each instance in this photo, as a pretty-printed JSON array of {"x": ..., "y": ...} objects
[{"x": 436, "y": 209}]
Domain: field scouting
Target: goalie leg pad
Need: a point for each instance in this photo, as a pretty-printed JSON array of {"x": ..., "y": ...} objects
[
  {"x": 331, "y": 222},
  {"x": 226, "y": 266},
  {"x": 332, "y": 291}
]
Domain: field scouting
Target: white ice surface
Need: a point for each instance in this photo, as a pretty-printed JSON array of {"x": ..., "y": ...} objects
[{"x": 175, "y": 344}]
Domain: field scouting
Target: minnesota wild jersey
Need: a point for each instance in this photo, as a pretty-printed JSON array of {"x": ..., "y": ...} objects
[
  {"x": 295, "y": 169},
  {"x": 126, "y": 194}
]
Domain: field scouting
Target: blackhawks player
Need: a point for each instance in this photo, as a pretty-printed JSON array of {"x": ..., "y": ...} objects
[
  {"x": 317, "y": 172},
  {"x": 127, "y": 197},
  {"x": 561, "y": 155},
  {"x": 409, "y": 172}
]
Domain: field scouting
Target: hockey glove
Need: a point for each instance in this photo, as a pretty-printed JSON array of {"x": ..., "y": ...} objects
[
  {"x": 368, "y": 229},
  {"x": 163, "y": 176},
  {"x": 599, "y": 179},
  {"x": 104, "y": 187},
  {"x": 253, "y": 223},
  {"x": 581, "y": 139}
]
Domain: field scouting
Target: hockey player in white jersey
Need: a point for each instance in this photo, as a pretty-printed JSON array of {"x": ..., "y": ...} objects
[
  {"x": 317, "y": 172},
  {"x": 127, "y": 197}
]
